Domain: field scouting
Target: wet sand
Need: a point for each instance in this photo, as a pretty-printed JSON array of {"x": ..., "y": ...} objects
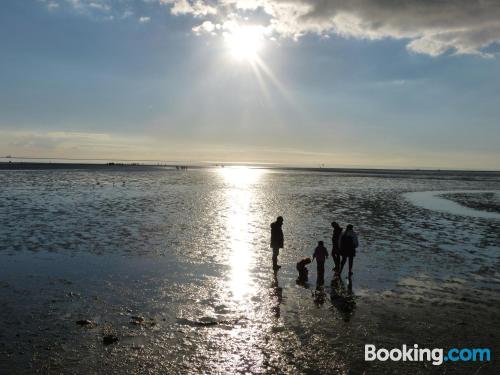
[
  {"x": 486, "y": 201},
  {"x": 187, "y": 253}
]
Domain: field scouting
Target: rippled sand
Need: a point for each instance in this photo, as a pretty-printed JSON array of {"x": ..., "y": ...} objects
[{"x": 187, "y": 251}]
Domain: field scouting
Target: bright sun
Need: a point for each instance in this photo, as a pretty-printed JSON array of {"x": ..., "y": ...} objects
[{"x": 244, "y": 42}]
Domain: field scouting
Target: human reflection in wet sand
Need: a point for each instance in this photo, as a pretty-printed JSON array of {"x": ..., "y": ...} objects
[
  {"x": 343, "y": 299},
  {"x": 276, "y": 295},
  {"x": 319, "y": 295},
  {"x": 303, "y": 272}
]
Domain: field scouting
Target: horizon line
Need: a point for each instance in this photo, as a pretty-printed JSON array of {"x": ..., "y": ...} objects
[{"x": 207, "y": 163}]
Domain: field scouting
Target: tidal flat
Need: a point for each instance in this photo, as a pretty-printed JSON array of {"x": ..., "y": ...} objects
[{"x": 156, "y": 270}]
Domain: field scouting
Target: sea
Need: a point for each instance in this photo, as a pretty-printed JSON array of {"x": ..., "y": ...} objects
[{"x": 134, "y": 269}]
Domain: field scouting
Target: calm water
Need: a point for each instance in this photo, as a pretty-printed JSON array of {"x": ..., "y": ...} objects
[{"x": 188, "y": 251}]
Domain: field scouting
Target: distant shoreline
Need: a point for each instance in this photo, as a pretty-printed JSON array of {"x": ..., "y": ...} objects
[
  {"x": 107, "y": 166},
  {"x": 22, "y": 165}
]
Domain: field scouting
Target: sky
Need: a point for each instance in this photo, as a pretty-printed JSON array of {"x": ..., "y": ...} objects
[{"x": 361, "y": 83}]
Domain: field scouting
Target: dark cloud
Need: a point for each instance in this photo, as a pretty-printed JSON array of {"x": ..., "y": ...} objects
[{"x": 430, "y": 26}]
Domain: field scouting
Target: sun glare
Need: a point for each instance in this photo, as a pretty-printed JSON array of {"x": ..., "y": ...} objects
[
  {"x": 240, "y": 176},
  {"x": 244, "y": 42},
  {"x": 240, "y": 188}
]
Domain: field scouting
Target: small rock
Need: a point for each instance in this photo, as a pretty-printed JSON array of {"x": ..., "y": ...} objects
[
  {"x": 137, "y": 320},
  {"x": 206, "y": 324},
  {"x": 109, "y": 339},
  {"x": 84, "y": 322}
]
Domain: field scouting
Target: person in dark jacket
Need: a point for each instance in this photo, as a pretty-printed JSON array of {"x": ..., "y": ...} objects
[
  {"x": 277, "y": 240},
  {"x": 348, "y": 245},
  {"x": 337, "y": 233},
  {"x": 320, "y": 254},
  {"x": 302, "y": 269}
]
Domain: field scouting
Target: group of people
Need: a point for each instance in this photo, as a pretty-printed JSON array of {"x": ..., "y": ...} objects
[{"x": 344, "y": 244}]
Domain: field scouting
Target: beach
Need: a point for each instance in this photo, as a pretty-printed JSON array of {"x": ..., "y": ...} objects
[{"x": 174, "y": 268}]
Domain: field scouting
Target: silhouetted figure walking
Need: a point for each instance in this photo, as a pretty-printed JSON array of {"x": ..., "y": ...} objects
[
  {"x": 320, "y": 254},
  {"x": 337, "y": 232},
  {"x": 348, "y": 245},
  {"x": 303, "y": 271},
  {"x": 277, "y": 240}
]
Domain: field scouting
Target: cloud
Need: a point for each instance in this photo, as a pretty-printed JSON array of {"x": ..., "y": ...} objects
[
  {"x": 64, "y": 144},
  {"x": 429, "y": 27},
  {"x": 89, "y": 7},
  {"x": 432, "y": 27},
  {"x": 126, "y": 14},
  {"x": 197, "y": 8},
  {"x": 205, "y": 27},
  {"x": 25, "y": 140},
  {"x": 51, "y": 5},
  {"x": 144, "y": 19},
  {"x": 99, "y": 6}
]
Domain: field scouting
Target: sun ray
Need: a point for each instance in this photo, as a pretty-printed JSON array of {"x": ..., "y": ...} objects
[
  {"x": 245, "y": 43},
  {"x": 262, "y": 84},
  {"x": 261, "y": 65}
]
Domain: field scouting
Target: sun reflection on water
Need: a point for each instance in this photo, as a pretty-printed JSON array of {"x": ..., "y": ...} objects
[{"x": 240, "y": 182}]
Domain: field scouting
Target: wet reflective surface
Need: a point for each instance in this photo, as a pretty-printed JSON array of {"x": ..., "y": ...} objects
[
  {"x": 188, "y": 253},
  {"x": 443, "y": 201}
]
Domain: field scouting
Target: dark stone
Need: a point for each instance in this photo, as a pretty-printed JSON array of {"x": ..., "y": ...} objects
[
  {"x": 137, "y": 320},
  {"x": 84, "y": 322},
  {"x": 109, "y": 339}
]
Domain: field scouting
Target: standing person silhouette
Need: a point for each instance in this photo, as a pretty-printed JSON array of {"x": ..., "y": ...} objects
[
  {"x": 277, "y": 240},
  {"x": 337, "y": 233},
  {"x": 320, "y": 254},
  {"x": 348, "y": 244}
]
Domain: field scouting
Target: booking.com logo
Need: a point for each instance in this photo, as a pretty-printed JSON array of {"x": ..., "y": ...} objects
[{"x": 437, "y": 355}]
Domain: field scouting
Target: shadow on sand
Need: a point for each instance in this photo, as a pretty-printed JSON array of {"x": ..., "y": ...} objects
[{"x": 342, "y": 298}]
